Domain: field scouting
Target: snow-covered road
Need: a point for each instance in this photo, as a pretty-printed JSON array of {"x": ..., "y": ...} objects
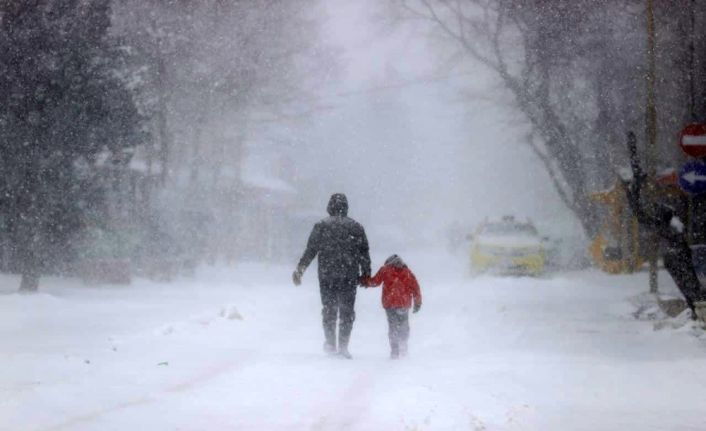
[{"x": 241, "y": 350}]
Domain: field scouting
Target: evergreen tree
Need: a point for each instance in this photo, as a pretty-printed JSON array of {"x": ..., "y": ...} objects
[{"x": 64, "y": 102}]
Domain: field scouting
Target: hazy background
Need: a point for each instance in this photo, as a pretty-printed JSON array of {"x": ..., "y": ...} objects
[
  {"x": 417, "y": 143},
  {"x": 148, "y": 137}
]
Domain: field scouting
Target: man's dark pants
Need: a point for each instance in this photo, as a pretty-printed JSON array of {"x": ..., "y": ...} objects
[{"x": 338, "y": 300}]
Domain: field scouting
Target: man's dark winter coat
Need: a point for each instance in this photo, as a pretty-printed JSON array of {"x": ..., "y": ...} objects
[{"x": 341, "y": 245}]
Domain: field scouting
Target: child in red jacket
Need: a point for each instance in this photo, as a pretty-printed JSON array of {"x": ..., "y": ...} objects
[{"x": 399, "y": 288}]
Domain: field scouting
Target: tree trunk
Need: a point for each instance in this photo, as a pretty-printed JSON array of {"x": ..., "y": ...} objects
[
  {"x": 27, "y": 223},
  {"x": 164, "y": 144},
  {"x": 27, "y": 252},
  {"x": 29, "y": 282},
  {"x": 27, "y": 247}
]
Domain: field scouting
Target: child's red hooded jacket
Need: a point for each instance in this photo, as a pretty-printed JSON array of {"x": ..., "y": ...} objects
[{"x": 399, "y": 286}]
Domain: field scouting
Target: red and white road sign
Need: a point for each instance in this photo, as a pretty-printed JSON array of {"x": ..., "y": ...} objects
[{"x": 693, "y": 140}]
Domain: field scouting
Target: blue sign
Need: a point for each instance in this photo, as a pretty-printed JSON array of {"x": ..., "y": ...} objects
[{"x": 692, "y": 177}]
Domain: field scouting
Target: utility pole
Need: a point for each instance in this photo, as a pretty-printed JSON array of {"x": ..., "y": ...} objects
[
  {"x": 692, "y": 107},
  {"x": 692, "y": 62},
  {"x": 651, "y": 134}
]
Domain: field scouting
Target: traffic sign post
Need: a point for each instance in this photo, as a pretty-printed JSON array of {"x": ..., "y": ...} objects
[
  {"x": 692, "y": 140},
  {"x": 692, "y": 177}
]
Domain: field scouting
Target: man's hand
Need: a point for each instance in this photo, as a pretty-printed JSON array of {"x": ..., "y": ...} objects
[
  {"x": 364, "y": 281},
  {"x": 297, "y": 277},
  {"x": 416, "y": 308}
]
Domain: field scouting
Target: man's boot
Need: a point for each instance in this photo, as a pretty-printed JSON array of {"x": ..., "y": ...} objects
[
  {"x": 346, "y": 316},
  {"x": 329, "y": 323},
  {"x": 329, "y": 348},
  {"x": 344, "y": 353},
  {"x": 330, "y": 340},
  {"x": 344, "y": 335}
]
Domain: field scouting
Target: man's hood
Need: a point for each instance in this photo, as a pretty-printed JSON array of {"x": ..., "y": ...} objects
[{"x": 338, "y": 205}]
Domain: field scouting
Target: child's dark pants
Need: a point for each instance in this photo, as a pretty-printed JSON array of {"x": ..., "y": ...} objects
[{"x": 398, "y": 321}]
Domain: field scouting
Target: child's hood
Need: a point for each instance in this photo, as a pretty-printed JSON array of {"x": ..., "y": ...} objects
[{"x": 395, "y": 261}]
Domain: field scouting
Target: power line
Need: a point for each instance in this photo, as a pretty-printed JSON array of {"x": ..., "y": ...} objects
[
  {"x": 371, "y": 90},
  {"x": 353, "y": 93}
]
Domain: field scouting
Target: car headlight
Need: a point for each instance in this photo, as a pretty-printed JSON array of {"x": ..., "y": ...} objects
[
  {"x": 509, "y": 251},
  {"x": 492, "y": 250}
]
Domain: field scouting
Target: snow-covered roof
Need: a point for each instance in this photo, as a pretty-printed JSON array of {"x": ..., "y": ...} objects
[
  {"x": 258, "y": 180},
  {"x": 137, "y": 162},
  {"x": 258, "y": 172},
  {"x": 140, "y": 165}
]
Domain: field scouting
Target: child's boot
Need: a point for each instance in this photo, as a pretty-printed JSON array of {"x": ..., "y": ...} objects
[{"x": 394, "y": 351}]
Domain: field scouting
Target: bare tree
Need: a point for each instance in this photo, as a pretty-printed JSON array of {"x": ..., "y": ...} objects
[
  {"x": 566, "y": 64},
  {"x": 215, "y": 68},
  {"x": 214, "y": 62}
]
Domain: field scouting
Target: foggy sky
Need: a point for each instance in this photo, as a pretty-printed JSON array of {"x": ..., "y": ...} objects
[{"x": 416, "y": 156}]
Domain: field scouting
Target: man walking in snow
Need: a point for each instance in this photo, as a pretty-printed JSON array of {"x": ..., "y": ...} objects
[{"x": 344, "y": 260}]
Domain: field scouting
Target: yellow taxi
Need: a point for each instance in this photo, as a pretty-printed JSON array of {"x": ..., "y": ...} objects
[{"x": 507, "y": 247}]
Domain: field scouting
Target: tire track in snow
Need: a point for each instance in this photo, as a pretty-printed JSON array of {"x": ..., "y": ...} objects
[
  {"x": 206, "y": 375},
  {"x": 347, "y": 409},
  {"x": 228, "y": 312}
]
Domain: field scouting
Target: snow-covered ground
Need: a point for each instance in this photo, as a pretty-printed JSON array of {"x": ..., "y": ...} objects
[{"x": 240, "y": 349}]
